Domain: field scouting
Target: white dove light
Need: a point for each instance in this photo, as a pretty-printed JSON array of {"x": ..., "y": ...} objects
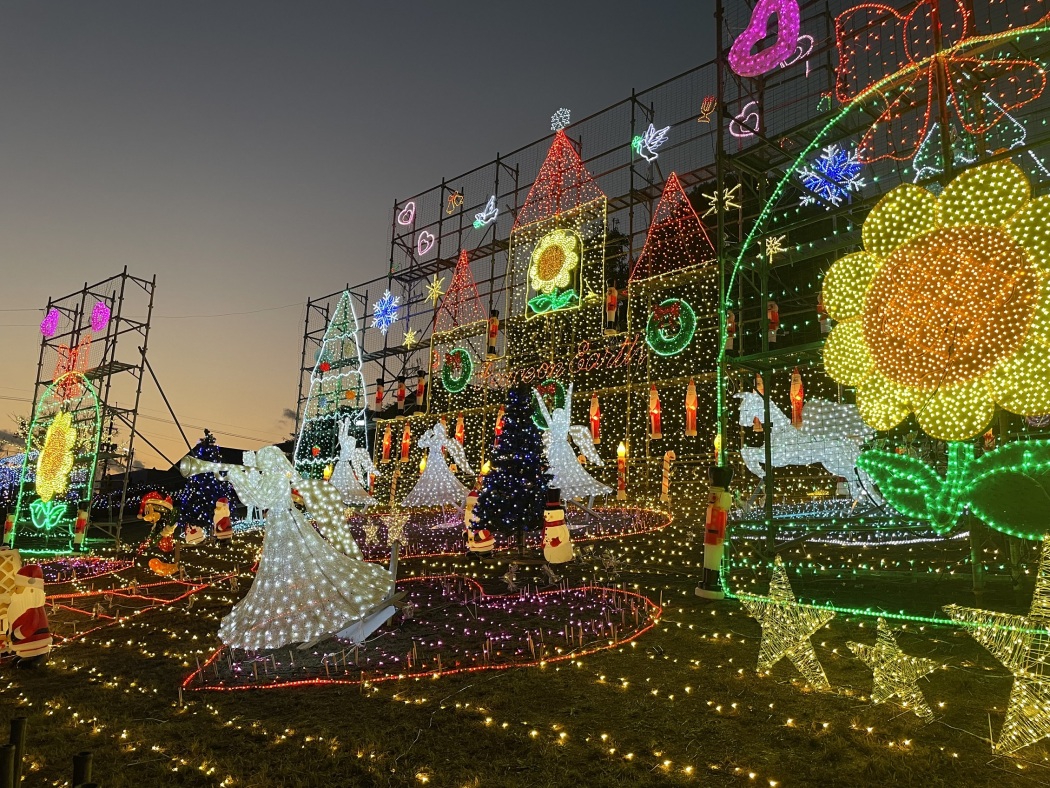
[
  {"x": 646, "y": 144},
  {"x": 488, "y": 215}
]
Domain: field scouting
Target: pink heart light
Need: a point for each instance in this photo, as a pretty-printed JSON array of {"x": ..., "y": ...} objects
[
  {"x": 424, "y": 242},
  {"x": 407, "y": 214},
  {"x": 49, "y": 325},
  {"x": 754, "y": 65}
]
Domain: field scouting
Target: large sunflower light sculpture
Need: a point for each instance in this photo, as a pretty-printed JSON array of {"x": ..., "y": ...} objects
[
  {"x": 551, "y": 271},
  {"x": 945, "y": 314}
]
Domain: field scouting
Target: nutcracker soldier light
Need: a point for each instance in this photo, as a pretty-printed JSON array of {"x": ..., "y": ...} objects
[
  {"x": 80, "y": 528},
  {"x": 557, "y": 546},
  {"x": 402, "y": 392},
  {"x": 9, "y": 529},
  {"x": 612, "y": 306},
  {"x": 719, "y": 501},
  {"x": 379, "y": 396},
  {"x": 499, "y": 423},
  {"x": 822, "y": 315},
  {"x": 493, "y": 334},
  {"x": 798, "y": 395},
  {"x": 730, "y": 330},
  {"x": 421, "y": 387},
  {"x": 773, "y": 318}
]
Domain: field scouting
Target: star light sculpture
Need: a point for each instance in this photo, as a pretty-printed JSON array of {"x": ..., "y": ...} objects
[
  {"x": 1022, "y": 644},
  {"x": 787, "y": 628},
  {"x": 384, "y": 311},
  {"x": 729, "y": 200},
  {"x": 895, "y": 673},
  {"x": 410, "y": 339},
  {"x": 371, "y": 531},
  {"x": 774, "y": 246},
  {"x": 434, "y": 291},
  {"x": 395, "y": 527}
]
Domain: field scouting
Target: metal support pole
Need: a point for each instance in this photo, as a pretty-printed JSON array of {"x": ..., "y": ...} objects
[
  {"x": 18, "y": 740},
  {"x": 82, "y": 767}
]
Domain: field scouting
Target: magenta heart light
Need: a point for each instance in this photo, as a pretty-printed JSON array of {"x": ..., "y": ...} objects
[
  {"x": 99, "y": 316},
  {"x": 49, "y": 325},
  {"x": 741, "y": 59}
]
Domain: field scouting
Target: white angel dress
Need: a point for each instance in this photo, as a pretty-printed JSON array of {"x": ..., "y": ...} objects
[
  {"x": 437, "y": 485},
  {"x": 305, "y": 588},
  {"x": 350, "y": 475},
  {"x": 569, "y": 476}
]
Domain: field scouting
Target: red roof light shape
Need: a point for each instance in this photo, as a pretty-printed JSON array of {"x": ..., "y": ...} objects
[
  {"x": 563, "y": 184},
  {"x": 677, "y": 238},
  {"x": 460, "y": 305}
]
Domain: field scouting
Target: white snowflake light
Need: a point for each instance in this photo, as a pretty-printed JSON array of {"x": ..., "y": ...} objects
[
  {"x": 831, "y": 177},
  {"x": 384, "y": 311},
  {"x": 560, "y": 119}
]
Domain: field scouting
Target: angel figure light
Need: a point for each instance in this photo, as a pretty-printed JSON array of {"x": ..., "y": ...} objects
[
  {"x": 350, "y": 475},
  {"x": 437, "y": 485},
  {"x": 569, "y": 476}
]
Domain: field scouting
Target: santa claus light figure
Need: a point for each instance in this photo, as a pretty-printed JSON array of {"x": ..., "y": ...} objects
[
  {"x": 221, "y": 525},
  {"x": 29, "y": 636}
]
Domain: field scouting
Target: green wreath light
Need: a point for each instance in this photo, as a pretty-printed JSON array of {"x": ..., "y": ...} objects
[
  {"x": 665, "y": 343},
  {"x": 559, "y": 401},
  {"x": 452, "y": 384}
]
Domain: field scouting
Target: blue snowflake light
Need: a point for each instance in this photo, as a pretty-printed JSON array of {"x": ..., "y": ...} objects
[
  {"x": 384, "y": 311},
  {"x": 831, "y": 177}
]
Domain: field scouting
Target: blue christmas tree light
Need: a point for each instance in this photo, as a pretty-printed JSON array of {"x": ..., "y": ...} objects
[
  {"x": 384, "y": 311},
  {"x": 831, "y": 177}
]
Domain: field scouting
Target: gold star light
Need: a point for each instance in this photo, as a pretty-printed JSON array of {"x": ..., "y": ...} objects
[
  {"x": 434, "y": 291},
  {"x": 410, "y": 340},
  {"x": 895, "y": 672},
  {"x": 729, "y": 200},
  {"x": 786, "y": 629},
  {"x": 774, "y": 246},
  {"x": 1022, "y": 644},
  {"x": 371, "y": 529},
  {"x": 395, "y": 527}
]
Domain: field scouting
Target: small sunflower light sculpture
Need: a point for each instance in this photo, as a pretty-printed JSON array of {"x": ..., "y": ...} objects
[
  {"x": 945, "y": 314},
  {"x": 552, "y": 270}
]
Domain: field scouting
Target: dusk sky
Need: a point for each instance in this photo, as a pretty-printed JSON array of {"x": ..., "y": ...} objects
[{"x": 248, "y": 154}]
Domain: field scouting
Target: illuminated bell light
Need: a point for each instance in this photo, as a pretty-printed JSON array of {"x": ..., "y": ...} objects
[
  {"x": 56, "y": 457},
  {"x": 787, "y": 627},
  {"x": 748, "y": 64},
  {"x": 945, "y": 313}
]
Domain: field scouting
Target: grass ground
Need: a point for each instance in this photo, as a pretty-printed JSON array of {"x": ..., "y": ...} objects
[{"x": 683, "y": 705}]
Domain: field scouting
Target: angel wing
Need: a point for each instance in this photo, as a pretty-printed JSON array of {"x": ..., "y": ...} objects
[
  {"x": 458, "y": 455},
  {"x": 824, "y": 419},
  {"x": 325, "y": 504},
  {"x": 581, "y": 436},
  {"x": 363, "y": 465},
  {"x": 543, "y": 408}
]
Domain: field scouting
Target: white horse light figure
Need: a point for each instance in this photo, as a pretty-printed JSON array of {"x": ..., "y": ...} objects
[{"x": 831, "y": 434}]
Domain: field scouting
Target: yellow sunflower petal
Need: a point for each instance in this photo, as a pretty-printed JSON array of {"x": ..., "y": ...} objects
[
  {"x": 882, "y": 403},
  {"x": 846, "y": 284},
  {"x": 846, "y": 356},
  {"x": 1031, "y": 229},
  {"x": 989, "y": 194},
  {"x": 905, "y": 213},
  {"x": 955, "y": 413},
  {"x": 1020, "y": 383}
]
